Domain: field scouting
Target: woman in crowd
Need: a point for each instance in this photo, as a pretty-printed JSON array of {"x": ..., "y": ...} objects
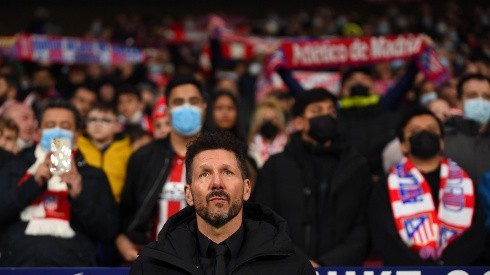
[{"x": 267, "y": 133}]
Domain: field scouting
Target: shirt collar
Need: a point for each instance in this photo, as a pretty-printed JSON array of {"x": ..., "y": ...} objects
[{"x": 234, "y": 242}]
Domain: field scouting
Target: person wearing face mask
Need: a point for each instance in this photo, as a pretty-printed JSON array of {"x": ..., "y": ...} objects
[
  {"x": 154, "y": 187},
  {"x": 51, "y": 219},
  {"x": 366, "y": 119},
  {"x": 471, "y": 132},
  {"x": 319, "y": 185},
  {"x": 426, "y": 212},
  {"x": 267, "y": 135}
]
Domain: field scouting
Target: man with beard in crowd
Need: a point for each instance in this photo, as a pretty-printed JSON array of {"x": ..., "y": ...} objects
[{"x": 221, "y": 233}]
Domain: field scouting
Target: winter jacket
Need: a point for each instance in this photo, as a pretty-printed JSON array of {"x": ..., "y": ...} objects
[
  {"x": 326, "y": 220},
  {"x": 466, "y": 146},
  {"x": 113, "y": 160},
  {"x": 94, "y": 217},
  {"x": 148, "y": 169},
  {"x": 467, "y": 249},
  {"x": 484, "y": 193},
  {"x": 267, "y": 249}
]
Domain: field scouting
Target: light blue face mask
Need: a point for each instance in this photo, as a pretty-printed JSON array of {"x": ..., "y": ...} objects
[
  {"x": 477, "y": 109},
  {"x": 186, "y": 120},
  {"x": 427, "y": 98},
  {"x": 51, "y": 133}
]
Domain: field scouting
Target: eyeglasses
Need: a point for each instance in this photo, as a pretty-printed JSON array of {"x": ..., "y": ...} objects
[{"x": 101, "y": 120}]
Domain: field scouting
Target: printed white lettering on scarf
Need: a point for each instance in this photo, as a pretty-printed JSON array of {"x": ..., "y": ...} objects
[{"x": 418, "y": 224}]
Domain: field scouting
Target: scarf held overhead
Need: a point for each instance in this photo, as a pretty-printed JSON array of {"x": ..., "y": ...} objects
[
  {"x": 333, "y": 53},
  {"x": 420, "y": 225}
]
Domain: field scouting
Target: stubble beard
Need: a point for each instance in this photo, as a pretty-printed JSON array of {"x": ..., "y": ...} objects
[{"x": 218, "y": 218}]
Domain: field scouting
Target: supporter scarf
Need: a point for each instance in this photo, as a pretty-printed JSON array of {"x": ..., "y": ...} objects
[
  {"x": 318, "y": 54},
  {"x": 260, "y": 149},
  {"x": 49, "y": 214},
  {"x": 423, "y": 228}
]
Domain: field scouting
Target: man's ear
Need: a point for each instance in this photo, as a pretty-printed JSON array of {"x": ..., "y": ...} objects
[
  {"x": 404, "y": 147},
  {"x": 188, "y": 195},
  {"x": 247, "y": 189},
  {"x": 298, "y": 123}
]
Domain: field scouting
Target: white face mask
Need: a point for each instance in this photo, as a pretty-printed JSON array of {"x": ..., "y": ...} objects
[
  {"x": 427, "y": 98},
  {"x": 477, "y": 109},
  {"x": 186, "y": 119}
]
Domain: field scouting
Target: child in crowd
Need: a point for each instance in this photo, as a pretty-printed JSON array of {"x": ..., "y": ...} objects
[
  {"x": 9, "y": 133},
  {"x": 105, "y": 147},
  {"x": 130, "y": 108},
  {"x": 160, "y": 119}
]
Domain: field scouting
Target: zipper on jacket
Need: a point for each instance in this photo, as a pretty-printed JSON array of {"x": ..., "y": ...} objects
[{"x": 148, "y": 195}]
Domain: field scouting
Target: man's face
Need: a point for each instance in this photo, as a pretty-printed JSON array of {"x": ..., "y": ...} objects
[
  {"x": 102, "y": 126},
  {"x": 217, "y": 190},
  {"x": 23, "y": 116},
  {"x": 83, "y": 100},
  {"x": 355, "y": 79},
  {"x": 475, "y": 88},
  {"x": 58, "y": 117},
  {"x": 183, "y": 94},
  {"x": 315, "y": 109},
  {"x": 128, "y": 105},
  {"x": 416, "y": 125}
]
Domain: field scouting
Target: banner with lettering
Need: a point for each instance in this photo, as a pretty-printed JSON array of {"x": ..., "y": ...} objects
[
  {"x": 332, "y": 53},
  {"x": 71, "y": 50}
]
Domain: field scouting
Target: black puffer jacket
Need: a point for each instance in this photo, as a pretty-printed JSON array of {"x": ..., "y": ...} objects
[
  {"x": 468, "y": 147},
  {"x": 326, "y": 218},
  {"x": 148, "y": 169},
  {"x": 267, "y": 248},
  {"x": 93, "y": 217}
]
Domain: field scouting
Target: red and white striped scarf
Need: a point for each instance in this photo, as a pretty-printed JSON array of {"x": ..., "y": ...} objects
[
  {"x": 423, "y": 228},
  {"x": 49, "y": 214}
]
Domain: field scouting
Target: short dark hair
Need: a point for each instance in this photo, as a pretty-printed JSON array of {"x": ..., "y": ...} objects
[
  {"x": 419, "y": 111},
  {"x": 104, "y": 107},
  {"x": 127, "y": 89},
  {"x": 7, "y": 123},
  {"x": 351, "y": 71},
  {"x": 467, "y": 77},
  {"x": 63, "y": 104},
  {"x": 183, "y": 79},
  {"x": 311, "y": 96},
  {"x": 212, "y": 140}
]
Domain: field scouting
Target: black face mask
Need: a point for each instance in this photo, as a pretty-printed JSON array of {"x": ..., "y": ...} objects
[
  {"x": 425, "y": 144},
  {"x": 42, "y": 89},
  {"x": 322, "y": 128},
  {"x": 268, "y": 130},
  {"x": 359, "y": 90}
]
